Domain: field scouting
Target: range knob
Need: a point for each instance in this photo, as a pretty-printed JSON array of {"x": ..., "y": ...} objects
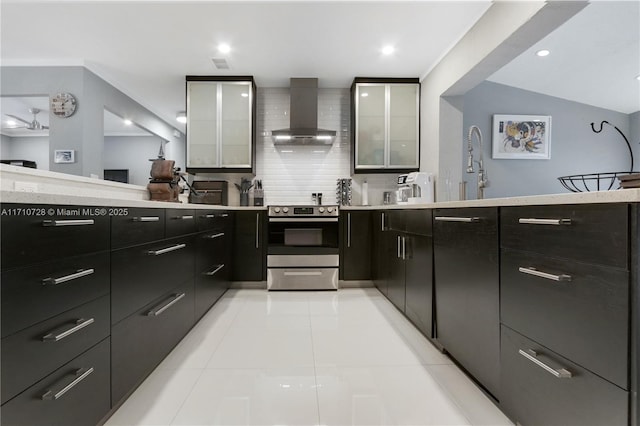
[
  {"x": 285, "y": 210},
  {"x": 321, "y": 209},
  {"x": 329, "y": 209},
  {"x": 276, "y": 209}
]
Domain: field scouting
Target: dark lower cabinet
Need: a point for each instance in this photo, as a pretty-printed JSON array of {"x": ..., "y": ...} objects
[
  {"x": 379, "y": 258},
  {"x": 467, "y": 290},
  {"x": 143, "y": 339},
  {"x": 250, "y": 246},
  {"x": 539, "y": 387},
  {"x": 76, "y": 394},
  {"x": 213, "y": 269},
  {"x": 396, "y": 286},
  {"x": 419, "y": 282},
  {"x": 355, "y": 245}
]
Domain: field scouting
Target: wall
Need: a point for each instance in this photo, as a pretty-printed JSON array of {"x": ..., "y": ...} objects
[
  {"x": 290, "y": 174},
  {"x": 634, "y": 137},
  {"x": 138, "y": 149},
  {"x": 34, "y": 148},
  {"x": 575, "y": 148},
  {"x": 5, "y": 147}
]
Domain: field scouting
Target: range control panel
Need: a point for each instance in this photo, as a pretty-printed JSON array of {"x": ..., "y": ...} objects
[{"x": 303, "y": 211}]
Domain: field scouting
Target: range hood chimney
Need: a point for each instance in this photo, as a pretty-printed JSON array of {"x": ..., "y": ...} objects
[{"x": 303, "y": 115}]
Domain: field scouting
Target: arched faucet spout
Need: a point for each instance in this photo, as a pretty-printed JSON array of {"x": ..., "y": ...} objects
[{"x": 483, "y": 182}]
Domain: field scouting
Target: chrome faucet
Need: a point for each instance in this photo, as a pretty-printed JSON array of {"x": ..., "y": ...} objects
[{"x": 483, "y": 182}]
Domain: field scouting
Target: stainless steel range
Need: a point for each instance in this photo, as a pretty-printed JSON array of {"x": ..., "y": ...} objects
[{"x": 303, "y": 248}]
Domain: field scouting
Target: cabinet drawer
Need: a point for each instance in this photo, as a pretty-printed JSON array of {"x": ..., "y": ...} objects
[
  {"x": 141, "y": 341},
  {"x": 211, "y": 219},
  {"x": 419, "y": 222},
  {"x": 585, "y": 319},
  {"x": 211, "y": 248},
  {"x": 595, "y": 233},
  {"x": 180, "y": 222},
  {"x": 210, "y": 284},
  {"x": 143, "y": 273},
  {"x": 31, "y": 354},
  {"x": 85, "y": 402},
  {"x": 35, "y": 293},
  {"x": 533, "y": 395},
  {"x": 28, "y": 239},
  {"x": 139, "y": 226}
]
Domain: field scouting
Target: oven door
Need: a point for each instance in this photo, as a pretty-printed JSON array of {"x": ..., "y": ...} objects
[{"x": 303, "y": 236}]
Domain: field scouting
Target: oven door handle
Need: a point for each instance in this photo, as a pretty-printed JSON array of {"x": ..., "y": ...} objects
[{"x": 302, "y": 219}]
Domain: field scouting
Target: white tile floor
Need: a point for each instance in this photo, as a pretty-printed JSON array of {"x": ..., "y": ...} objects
[{"x": 306, "y": 358}]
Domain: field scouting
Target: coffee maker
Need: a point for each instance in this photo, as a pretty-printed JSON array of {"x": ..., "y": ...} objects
[{"x": 415, "y": 188}]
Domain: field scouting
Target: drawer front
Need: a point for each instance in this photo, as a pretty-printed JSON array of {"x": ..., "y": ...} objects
[
  {"x": 31, "y": 354},
  {"x": 180, "y": 222},
  {"x": 211, "y": 219},
  {"x": 419, "y": 222},
  {"x": 29, "y": 239},
  {"x": 141, "y": 341},
  {"x": 84, "y": 403},
  {"x": 532, "y": 395},
  {"x": 394, "y": 220},
  {"x": 138, "y": 226},
  {"x": 35, "y": 293},
  {"x": 585, "y": 319},
  {"x": 210, "y": 285},
  {"x": 143, "y": 273},
  {"x": 211, "y": 248},
  {"x": 595, "y": 233}
]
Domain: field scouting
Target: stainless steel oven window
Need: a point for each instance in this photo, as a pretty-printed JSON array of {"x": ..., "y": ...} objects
[{"x": 303, "y": 236}]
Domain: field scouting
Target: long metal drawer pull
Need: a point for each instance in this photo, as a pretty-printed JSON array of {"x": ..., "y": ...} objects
[
  {"x": 404, "y": 248},
  {"x": 156, "y": 312},
  {"x": 55, "y": 281},
  {"x": 399, "y": 249},
  {"x": 348, "y": 229},
  {"x": 166, "y": 250},
  {"x": 302, "y": 274},
  {"x": 531, "y": 355},
  {"x": 183, "y": 217},
  {"x": 80, "y": 324},
  {"x": 257, "y": 230},
  {"x": 533, "y": 271},
  {"x": 214, "y": 271},
  {"x": 81, "y": 374},
  {"x": 214, "y": 236},
  {"x": 383, "y": 228},
  {"x": 457, "y": 219},
  {"x": 534, "y": 221},
  {"x": 208, "y": 216},
  {"x": 77, "y": 222},
  {"x": 146, "y": 219}
]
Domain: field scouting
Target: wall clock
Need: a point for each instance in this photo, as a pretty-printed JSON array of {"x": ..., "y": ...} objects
[{"x": 63, "y": 104}]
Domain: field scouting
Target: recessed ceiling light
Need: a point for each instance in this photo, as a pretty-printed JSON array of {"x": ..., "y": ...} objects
[
  {"x": 638, "y": 77},
  {"x": 244, "y": 95},
  {"x": 364, "y": 95},
  {"x": 543, "y": 52},
  {"x": 12, "y": 122},
  {"x": 127, "y": 122},
  {"x": 181, "y": 117},
  {"x": 388, "y": 50},
  {"x": 224, "y": 48}
]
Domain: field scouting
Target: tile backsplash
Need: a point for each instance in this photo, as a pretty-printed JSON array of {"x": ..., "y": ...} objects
[{"x": 290, "y": 174}]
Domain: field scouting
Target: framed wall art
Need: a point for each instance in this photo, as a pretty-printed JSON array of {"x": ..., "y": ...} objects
[
  {"x": 64, "y": 156},
  {"x": 524, "y": 137}
]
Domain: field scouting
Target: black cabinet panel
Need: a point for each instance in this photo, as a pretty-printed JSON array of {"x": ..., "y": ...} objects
[
  {"x": 142, "y": 340},
  {"x": 379, "y": 267},
  {"x": 585, "y": 319},
  {"x": 30, "y": 295},
  {"x": 598, "y": 233},
  {"x": 419, "y": 282},
  {"x": 213, "y": 269},
  {"x": 396, "y": 285},
  {"x": 138, "y": 226},
  {"x": 418, "y": 222},
  {"x": 395, "y": 220},
  {"x": 31, "y": 354},
  {"x": 467, "y": 290},
  {"x": 34, "y": 238},
  {"x": 86, "y": 403},
  {"x": 138, "y": 275},
  {"x": 532, "y": 395},
  {"x": 355, "y": 245},
  {"x": 179, "y": 222},
  {"x": 212, "y": 219},
  {"x": 249, "y": 248}
]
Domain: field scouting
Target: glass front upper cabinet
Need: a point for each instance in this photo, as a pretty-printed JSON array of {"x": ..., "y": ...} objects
[
  {"x": 385, "y": 122},
  {"x": 220, "y": 124}
]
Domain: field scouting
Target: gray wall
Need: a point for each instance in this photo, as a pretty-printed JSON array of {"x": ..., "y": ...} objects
[
  {"x": 34, "y": 148},
  {"x": 634, "y": 137},
  {"x": 575, "y": 149},
  {"x": 83, "y": 131},
  {"x": 132, "y": 153}
]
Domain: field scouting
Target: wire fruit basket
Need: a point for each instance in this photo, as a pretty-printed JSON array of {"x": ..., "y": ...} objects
[{"x": 598, "y": 181}]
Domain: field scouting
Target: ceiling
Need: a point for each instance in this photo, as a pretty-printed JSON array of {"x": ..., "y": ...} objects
[
  {"x": 145, "y": 48},
  {"x": 594, "y": 59}
]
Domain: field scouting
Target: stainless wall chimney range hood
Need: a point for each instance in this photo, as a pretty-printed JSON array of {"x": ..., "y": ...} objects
[{"x": 303, "y": 115}]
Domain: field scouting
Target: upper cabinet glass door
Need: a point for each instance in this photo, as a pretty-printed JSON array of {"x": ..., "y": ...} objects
[
  {"x": 236, "y": 124},
  {"x": 370, "y": 125},
  {"x": 202, "y": 124},
  {"x": 403, "y": 125}
]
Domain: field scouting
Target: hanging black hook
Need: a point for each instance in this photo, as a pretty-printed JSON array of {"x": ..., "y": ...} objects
[{"x": 621, "y": 134}]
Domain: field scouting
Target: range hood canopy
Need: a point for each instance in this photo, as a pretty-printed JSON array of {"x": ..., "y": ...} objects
[{"x": 303, "y": 114}]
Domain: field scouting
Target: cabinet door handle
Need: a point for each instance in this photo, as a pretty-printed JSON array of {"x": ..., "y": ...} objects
[
  {"x": 146, "y": 219},
  {"x": 80, "y": 324},
  {"x": 533, "y": 271},
  {"x": 399, "y": 249},
  {"x": 80, "y": 374},
  {"x": 224, "y": 215},
  {"x": 214, "y": 271},
  {"x": 166, "y": 250},
  {"x": 302, "y": 274},
  {"x": 156, "y": 312},
  {"x": 187, "y": 217},
  {"x": 348, "y": 230},
  {"x": 404, "y": 248},
  {"x": 208, "y": 216},
  {"x": 257, "y": 230},
  {"x": 382, "y": 221},
  {"x": 457, "y": 219},
  {"x": 534, "y": 221},
  {"x": 214, "y": 236},
  {"x": 55, "y": 281},
  {"x": 531, "y": 355},
  {"x": 78, "y": 222}
]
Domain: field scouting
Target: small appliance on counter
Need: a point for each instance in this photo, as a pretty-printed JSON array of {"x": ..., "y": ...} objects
[
  {"x": 415, "y": 188},
  {"x": 209, "y": 192}
]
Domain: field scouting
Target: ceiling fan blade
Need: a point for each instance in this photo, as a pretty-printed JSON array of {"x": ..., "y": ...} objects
[{"x": 28, "y": 123}]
